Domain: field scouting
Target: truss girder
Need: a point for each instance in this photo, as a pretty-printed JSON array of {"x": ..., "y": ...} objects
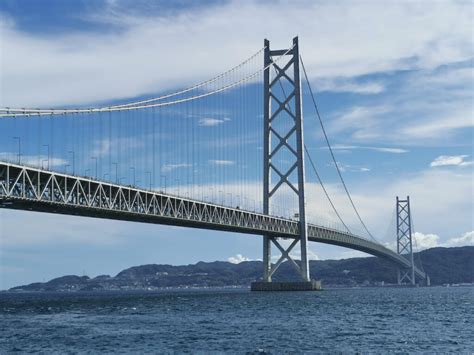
[{"x": 31, "y": 189}]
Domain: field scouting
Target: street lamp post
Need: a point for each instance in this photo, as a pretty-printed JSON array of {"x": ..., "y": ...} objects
[
  {"x": 149, "y": 172},
  {"x": 73, "y": 162},
  {"x": 163, "y": 176},
  {"x": 116, "y": 172},
  {"x": 95, "y": 158},
  {"x": 47, "y": 146},
  {"x": 132, "y": 168},
  {"x": 19, "y": 148}
]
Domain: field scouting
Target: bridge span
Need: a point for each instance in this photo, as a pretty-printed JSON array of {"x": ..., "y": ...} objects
[
  {"x": 156, "y": 135},
  {"x": 32, "y": 189}
]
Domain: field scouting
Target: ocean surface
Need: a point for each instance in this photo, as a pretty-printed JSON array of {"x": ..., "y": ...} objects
[{"x": 430, "y": 320}]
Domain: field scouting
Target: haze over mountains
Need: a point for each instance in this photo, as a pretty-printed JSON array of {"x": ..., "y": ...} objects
[{"x": 444, "y": 266}]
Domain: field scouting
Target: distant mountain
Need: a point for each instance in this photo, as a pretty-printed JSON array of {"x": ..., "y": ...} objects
[{"x": 444, "y": 265}]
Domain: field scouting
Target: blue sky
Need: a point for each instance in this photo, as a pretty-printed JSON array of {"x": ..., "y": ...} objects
[{"x": 394, "y": 84}]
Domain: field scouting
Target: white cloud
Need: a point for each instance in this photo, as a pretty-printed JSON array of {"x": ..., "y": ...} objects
[
  {"x": 451, "y": 160},
  {"x": 351, "y": 168},
  {"x": 237, "y": 259},
  {"x": 170, "y": 167},
  {"x": 347, "y": 85},
  {"x": 210, "y": 122},
  {"x": 221, "y": 162},
  {"x": 375, "y": 200},
  {"x": 466, "y": 239},
  {"x": 425, "y": 241},
  {"x": 364, "y": 38},
  {"x": 428, "y": 106},
  {"x": 377, "y": 149},
  {"x": 363, "y": 121},
  {"x": 440, "y": 126}
]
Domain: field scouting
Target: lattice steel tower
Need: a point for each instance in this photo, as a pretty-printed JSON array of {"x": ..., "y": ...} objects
[
  {"x": 404, "y": 240},
  {"x": 284, "y": 104}
]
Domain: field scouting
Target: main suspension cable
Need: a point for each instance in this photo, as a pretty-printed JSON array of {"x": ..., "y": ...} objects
[
  {"x": 16, "y": 112},
  {"x": 332, "y": 153},
  {"x": 196, "y": 86}
]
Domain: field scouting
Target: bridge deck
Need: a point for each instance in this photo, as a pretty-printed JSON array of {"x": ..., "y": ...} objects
[{"x": 33, "y": 189}]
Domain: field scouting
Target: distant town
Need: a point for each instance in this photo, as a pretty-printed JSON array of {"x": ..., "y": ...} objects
[{"x": 452, "y": 267}]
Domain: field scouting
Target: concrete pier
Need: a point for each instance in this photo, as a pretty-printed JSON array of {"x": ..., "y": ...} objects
[{"x": 286, "y": 286}]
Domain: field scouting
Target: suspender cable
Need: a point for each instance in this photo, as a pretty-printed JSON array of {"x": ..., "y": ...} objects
[
  {"x": 324, "y": 189},
  {"x": 332, "y": 153}
]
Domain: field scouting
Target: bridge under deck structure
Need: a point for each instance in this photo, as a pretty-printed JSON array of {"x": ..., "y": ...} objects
[{"x": 33, "y": 189}]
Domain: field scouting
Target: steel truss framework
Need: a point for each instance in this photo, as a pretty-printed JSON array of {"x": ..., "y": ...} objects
[
  {"x": 404, "y": 240},
  {"x": 289, "y": 72},
  {"x": 33, "y": 189}
]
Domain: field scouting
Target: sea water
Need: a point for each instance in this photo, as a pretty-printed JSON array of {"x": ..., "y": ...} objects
[{"x": 431, "y": 320}]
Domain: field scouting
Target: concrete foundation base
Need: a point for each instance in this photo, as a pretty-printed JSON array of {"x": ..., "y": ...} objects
[{"x": 286, "y": 286}]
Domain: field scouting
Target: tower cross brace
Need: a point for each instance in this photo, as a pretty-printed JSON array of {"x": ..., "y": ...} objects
[
  {"x": 276, "y": 139},
  {"x": 404, "y": 240}
]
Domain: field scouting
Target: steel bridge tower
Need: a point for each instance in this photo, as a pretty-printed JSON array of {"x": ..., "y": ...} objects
[
  {"x": 404, "y": 240},
  {"x": 278, "y": 139}
]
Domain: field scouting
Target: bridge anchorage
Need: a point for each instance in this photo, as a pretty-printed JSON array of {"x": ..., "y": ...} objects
[{"x": 27, "y": 183}]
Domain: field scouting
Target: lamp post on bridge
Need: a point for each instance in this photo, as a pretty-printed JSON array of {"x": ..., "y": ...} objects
[
  {"x": 47, "y": 147},
  {"x": 133, "y": 169},
  {"x": 19, "y": 148},
  {"x": 149, "y": 172},
  {"x": 116, "y": 172},
  {"x": 95, "y": 158},
  {"x": 73, "y": 162},
  {"x": 164, "y": 177}
]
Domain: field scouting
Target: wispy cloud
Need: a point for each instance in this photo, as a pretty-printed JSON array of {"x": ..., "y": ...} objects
[
  {"x": 377, "y": 149},
  {"x": 349, "y": 86},
  {"x": 170, "y": 167},
  {"x": 363, "y": 121},
  {"x": 351, "y": 168},
  {"x": 79, "y": 58},
  {"x": 210, "y": 122},
  {"x": 221, "y": 162},
  {"x": 439, "y": 126},
  {"x": 450, "y": 160}
]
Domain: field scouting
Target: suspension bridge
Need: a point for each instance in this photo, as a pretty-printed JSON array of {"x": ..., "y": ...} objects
[{"x": 193, "y": 158}]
